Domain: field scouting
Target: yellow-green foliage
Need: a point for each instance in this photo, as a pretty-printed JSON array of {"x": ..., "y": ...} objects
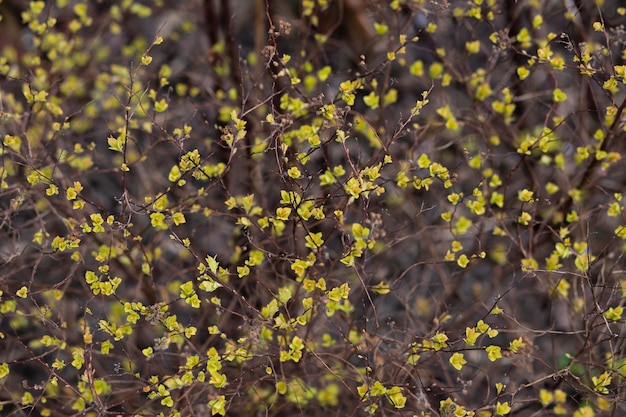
[{"x": 404, "y": 207}]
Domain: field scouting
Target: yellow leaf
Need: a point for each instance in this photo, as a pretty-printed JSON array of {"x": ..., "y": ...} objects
[
  {"x": 493, "y": 352},
  {"x": 22, "y": 292},
  {"x": 457, "y": 360},
  {"x": 502, "y": 408}
]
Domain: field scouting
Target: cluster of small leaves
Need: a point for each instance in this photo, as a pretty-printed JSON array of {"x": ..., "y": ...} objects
[{"x": 408, "y": 207}]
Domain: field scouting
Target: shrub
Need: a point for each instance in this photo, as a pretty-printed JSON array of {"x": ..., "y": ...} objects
[{"x": 352, "y": 207}]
